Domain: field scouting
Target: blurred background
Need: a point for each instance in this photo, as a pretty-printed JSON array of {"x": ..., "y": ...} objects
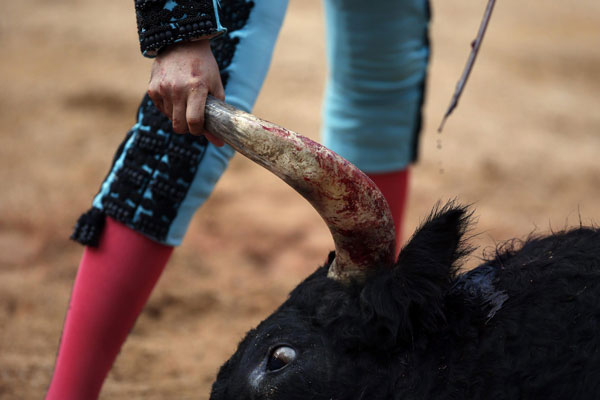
[{"x": 523, "y": 148}]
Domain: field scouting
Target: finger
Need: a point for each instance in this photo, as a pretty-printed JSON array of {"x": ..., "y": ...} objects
[
  {"x": 166, "y": 108},
  {"x": 214, "y": 140},
  {"x": 215, "y": 84},
  {"x": 178, "y": 115},
  {"x": 218, "y": 91},
  {"x": 195, "y": 117},
  {"x": 161, "y": 107},
  {"x": 156, "y": 99},
  {"x": 164, "y": 93},
  {"x": 195, "y": 111}
]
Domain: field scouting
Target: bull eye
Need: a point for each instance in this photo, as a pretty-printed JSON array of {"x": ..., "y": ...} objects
[{"x": 280, "y": 357}]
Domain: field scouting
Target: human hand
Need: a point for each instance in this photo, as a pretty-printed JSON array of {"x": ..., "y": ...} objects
[{"x": 182, "y": 76}]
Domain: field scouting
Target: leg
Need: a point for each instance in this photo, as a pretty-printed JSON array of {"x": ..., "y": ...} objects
[
  {"x": 378, "y": 53},
  {"x": 144, "y": 207},
  {"x": 113, "y": 283},
  {"x": 394, "y": 186}
]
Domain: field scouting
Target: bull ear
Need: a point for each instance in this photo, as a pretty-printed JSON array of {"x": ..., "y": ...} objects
[
  {"x": 406, "y": 303},
  {"x": 439, "y": 240}
]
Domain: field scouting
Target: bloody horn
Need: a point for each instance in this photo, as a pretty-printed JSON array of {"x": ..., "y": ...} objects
[{"x": 352, "y": 206}]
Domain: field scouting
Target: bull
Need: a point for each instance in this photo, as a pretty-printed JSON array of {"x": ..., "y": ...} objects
[{"x": 366, "y": 325}]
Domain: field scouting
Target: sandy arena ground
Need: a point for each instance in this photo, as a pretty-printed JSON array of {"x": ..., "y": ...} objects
[{"x": 523, "y": 147}]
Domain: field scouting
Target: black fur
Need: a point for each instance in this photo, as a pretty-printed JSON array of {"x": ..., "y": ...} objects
[{"x": 523, "y": 325}]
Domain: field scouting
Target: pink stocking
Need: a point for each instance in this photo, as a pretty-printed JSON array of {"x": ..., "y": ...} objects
[
  {"x": 113, "y": 283},
  {"x": 394, "y": 186}
]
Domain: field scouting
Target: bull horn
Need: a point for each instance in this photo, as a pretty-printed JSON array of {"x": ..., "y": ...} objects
[{"x": 348, "y": 201}]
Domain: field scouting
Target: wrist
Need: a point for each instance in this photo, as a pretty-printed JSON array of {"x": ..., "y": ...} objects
[{"x": 195, "y": 45}]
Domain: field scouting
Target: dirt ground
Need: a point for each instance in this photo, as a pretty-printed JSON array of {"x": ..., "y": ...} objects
[{"x": 522, "y": 147}]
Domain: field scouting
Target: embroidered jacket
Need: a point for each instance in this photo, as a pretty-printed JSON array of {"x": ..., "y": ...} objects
[{"x": 164, "y": 22}]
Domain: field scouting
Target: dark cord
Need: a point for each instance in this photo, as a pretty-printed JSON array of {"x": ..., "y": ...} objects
[{"x": 476, "y": 44}]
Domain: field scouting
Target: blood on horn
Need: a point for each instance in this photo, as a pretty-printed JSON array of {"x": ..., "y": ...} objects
[{"x": 348, "y": 201}]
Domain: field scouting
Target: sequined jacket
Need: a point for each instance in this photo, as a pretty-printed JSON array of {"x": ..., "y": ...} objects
[{"x": 164, "y": 22}]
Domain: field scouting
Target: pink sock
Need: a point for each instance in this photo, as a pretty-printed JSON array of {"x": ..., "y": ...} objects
[
  {"x": 112, "y": 285},
  {"x": 394, "y": 186}
]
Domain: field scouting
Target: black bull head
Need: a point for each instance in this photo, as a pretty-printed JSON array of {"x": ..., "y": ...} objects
[{"x": 523, "y": 325}]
